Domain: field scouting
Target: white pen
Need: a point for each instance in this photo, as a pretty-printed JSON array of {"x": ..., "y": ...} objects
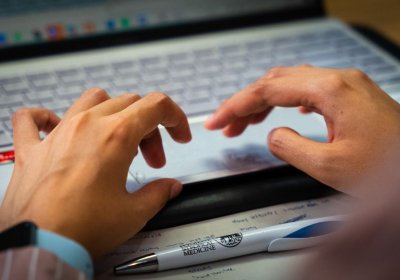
[{"x": 282, "y": 237}]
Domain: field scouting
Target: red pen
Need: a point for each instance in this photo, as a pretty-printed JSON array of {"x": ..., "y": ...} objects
[{"x": 7, "y": 157}]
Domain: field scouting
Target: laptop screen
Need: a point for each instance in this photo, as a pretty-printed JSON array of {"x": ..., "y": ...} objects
[{"x": 31, "y": 22}]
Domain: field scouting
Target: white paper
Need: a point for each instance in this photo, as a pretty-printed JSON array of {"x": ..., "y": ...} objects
[{"x": 257, "y": 266}]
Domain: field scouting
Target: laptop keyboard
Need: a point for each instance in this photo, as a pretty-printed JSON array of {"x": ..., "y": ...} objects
[{"x": 198, "y": 80}]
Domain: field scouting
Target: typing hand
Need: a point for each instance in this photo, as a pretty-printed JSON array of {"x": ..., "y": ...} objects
[
  {"x": 363, "y": 123},
  {"x": 73, "y": 182}
]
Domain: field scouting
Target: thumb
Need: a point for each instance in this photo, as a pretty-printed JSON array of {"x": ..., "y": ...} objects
[
  {"x": 299, "y": 151},
  {"x": 153, "y": 196}
]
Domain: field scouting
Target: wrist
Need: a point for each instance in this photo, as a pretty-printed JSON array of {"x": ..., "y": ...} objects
[{"x": 69, "y": 251}]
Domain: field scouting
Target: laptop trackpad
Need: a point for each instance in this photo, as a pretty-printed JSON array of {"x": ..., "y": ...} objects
[{"x": 211, "y": 155}]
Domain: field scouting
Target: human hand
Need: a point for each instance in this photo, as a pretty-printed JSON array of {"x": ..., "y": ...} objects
[
  {"x": 73, "y": 181},
  {"x": 365, "y": 248},
  {"x": 363, "y": 124}
]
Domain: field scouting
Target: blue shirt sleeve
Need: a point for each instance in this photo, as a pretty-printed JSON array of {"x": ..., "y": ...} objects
[{"x": 67, "y": 250}]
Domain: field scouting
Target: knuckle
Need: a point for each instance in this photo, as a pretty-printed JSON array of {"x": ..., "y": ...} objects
[
  {"x": 79, "y": 121},
  {"x": 97, "y": 93},
  {"x": 357, "y": 74},
  {"x": 275, "y": 71},
  {"x": 159, "y": 98},
  {"x": 335, "y": 83},
  {"x": 131, "y": 96},
  {"x": 120, "y": 132},
  {"x": 20, "y": 113}
]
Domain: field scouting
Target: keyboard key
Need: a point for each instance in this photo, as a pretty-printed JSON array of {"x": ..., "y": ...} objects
[
  {"x": 159, "y": 66},
  {"x": 225, "y": 91},
  {"x": 200, "y": 82},
  {"x": 42, "y": 79},
  {"x": 232, "y": 50},
  {"x": 258, "y": 45},
  {"x": 177, "y": 98},
  {"x": 197, "y": 94},
  {"x": 333, "y": 34},
  {"x": 372, "y": 60},
  {"x": 95, "y": 68},
  {"x": 173, "y": 87},
  {"x": 40, "y": 95},
  {"x": 347, "y": 42},
  {"x": 385, "y": 69},
  {"x": 182, "y": 72},
  {"x": 180, "y": 58},
  {"x": 357, "y": 52},
  {"x": 10, "y": 100},
  {"x": 72, "y": 76},
  {"x": 153, "y": 78},
  {"x": 5, "y": 114},
  {"x": 26, "y": 105},
  {"x": 57, "y": 105},
  {"x": 253, "y": 74},
  {"x": 212, "y": 67},
  {"x": 200, "y": 107},
  {"x": 227, "y": 78},
  {"x": 238, "y": 63},
  {"x": 5, "y": 139},
  {"x": 66, "y": 72},
  {"x": 149, "y": 60},
  {"x": 16, "y": 84},
  {"x": 205, "y": 53},
  {"x": 389, "y": 79},
  {"x": 125, "y": 83},
  {"x": 10, "y": 80},
  {"x": 7, "y": 125},
  {"x": 107, "y": 74},
  {"x": 71, "y": 91},
  {"x": 126, "y": 64}
]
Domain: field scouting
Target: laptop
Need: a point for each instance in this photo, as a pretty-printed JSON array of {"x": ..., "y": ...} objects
[{"x": 199, "y": 52}]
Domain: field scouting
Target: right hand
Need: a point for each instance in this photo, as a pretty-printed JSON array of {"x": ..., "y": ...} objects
[{"x": 363, "y": 124}]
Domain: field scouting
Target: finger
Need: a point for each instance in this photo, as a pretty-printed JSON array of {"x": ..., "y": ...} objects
[
  {"x": 304, "y": 110},
  {"x": 285, "y": 91},
  {"x": 237, "y": 127},
  {"x": 114, "y": 105},
  {"x": 154, "y": 109},
  {"x": 303, "y": 153},
  {"x": 88, "y": 99},
  {"x": 152, "y": 197},
  {"x": 227, "y": 112},
  {"x": 257, "y": 118},
  {"x": 27, "y": 123},
  {"x": 152, "y": 149}
]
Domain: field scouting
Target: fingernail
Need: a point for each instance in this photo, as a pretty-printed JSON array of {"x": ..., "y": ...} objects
[
  {"x": 208, "y": 122},
  {"x": 176, "y": 188},
  {"x": 210, "y": 118}
]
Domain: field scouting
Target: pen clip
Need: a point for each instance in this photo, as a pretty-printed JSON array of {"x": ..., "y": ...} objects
[
  {"x": 308, "y": 236},
  {"x": 286, "y": 244}
]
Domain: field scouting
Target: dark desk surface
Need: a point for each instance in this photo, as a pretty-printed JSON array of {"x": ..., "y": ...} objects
[{"x": 382, "y": 15}]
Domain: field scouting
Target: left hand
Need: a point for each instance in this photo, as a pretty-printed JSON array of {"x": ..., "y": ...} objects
[{"x": 73, "y": 181}]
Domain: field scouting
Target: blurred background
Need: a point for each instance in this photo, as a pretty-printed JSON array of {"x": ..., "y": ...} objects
[{"x": 382, "y": 15}]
